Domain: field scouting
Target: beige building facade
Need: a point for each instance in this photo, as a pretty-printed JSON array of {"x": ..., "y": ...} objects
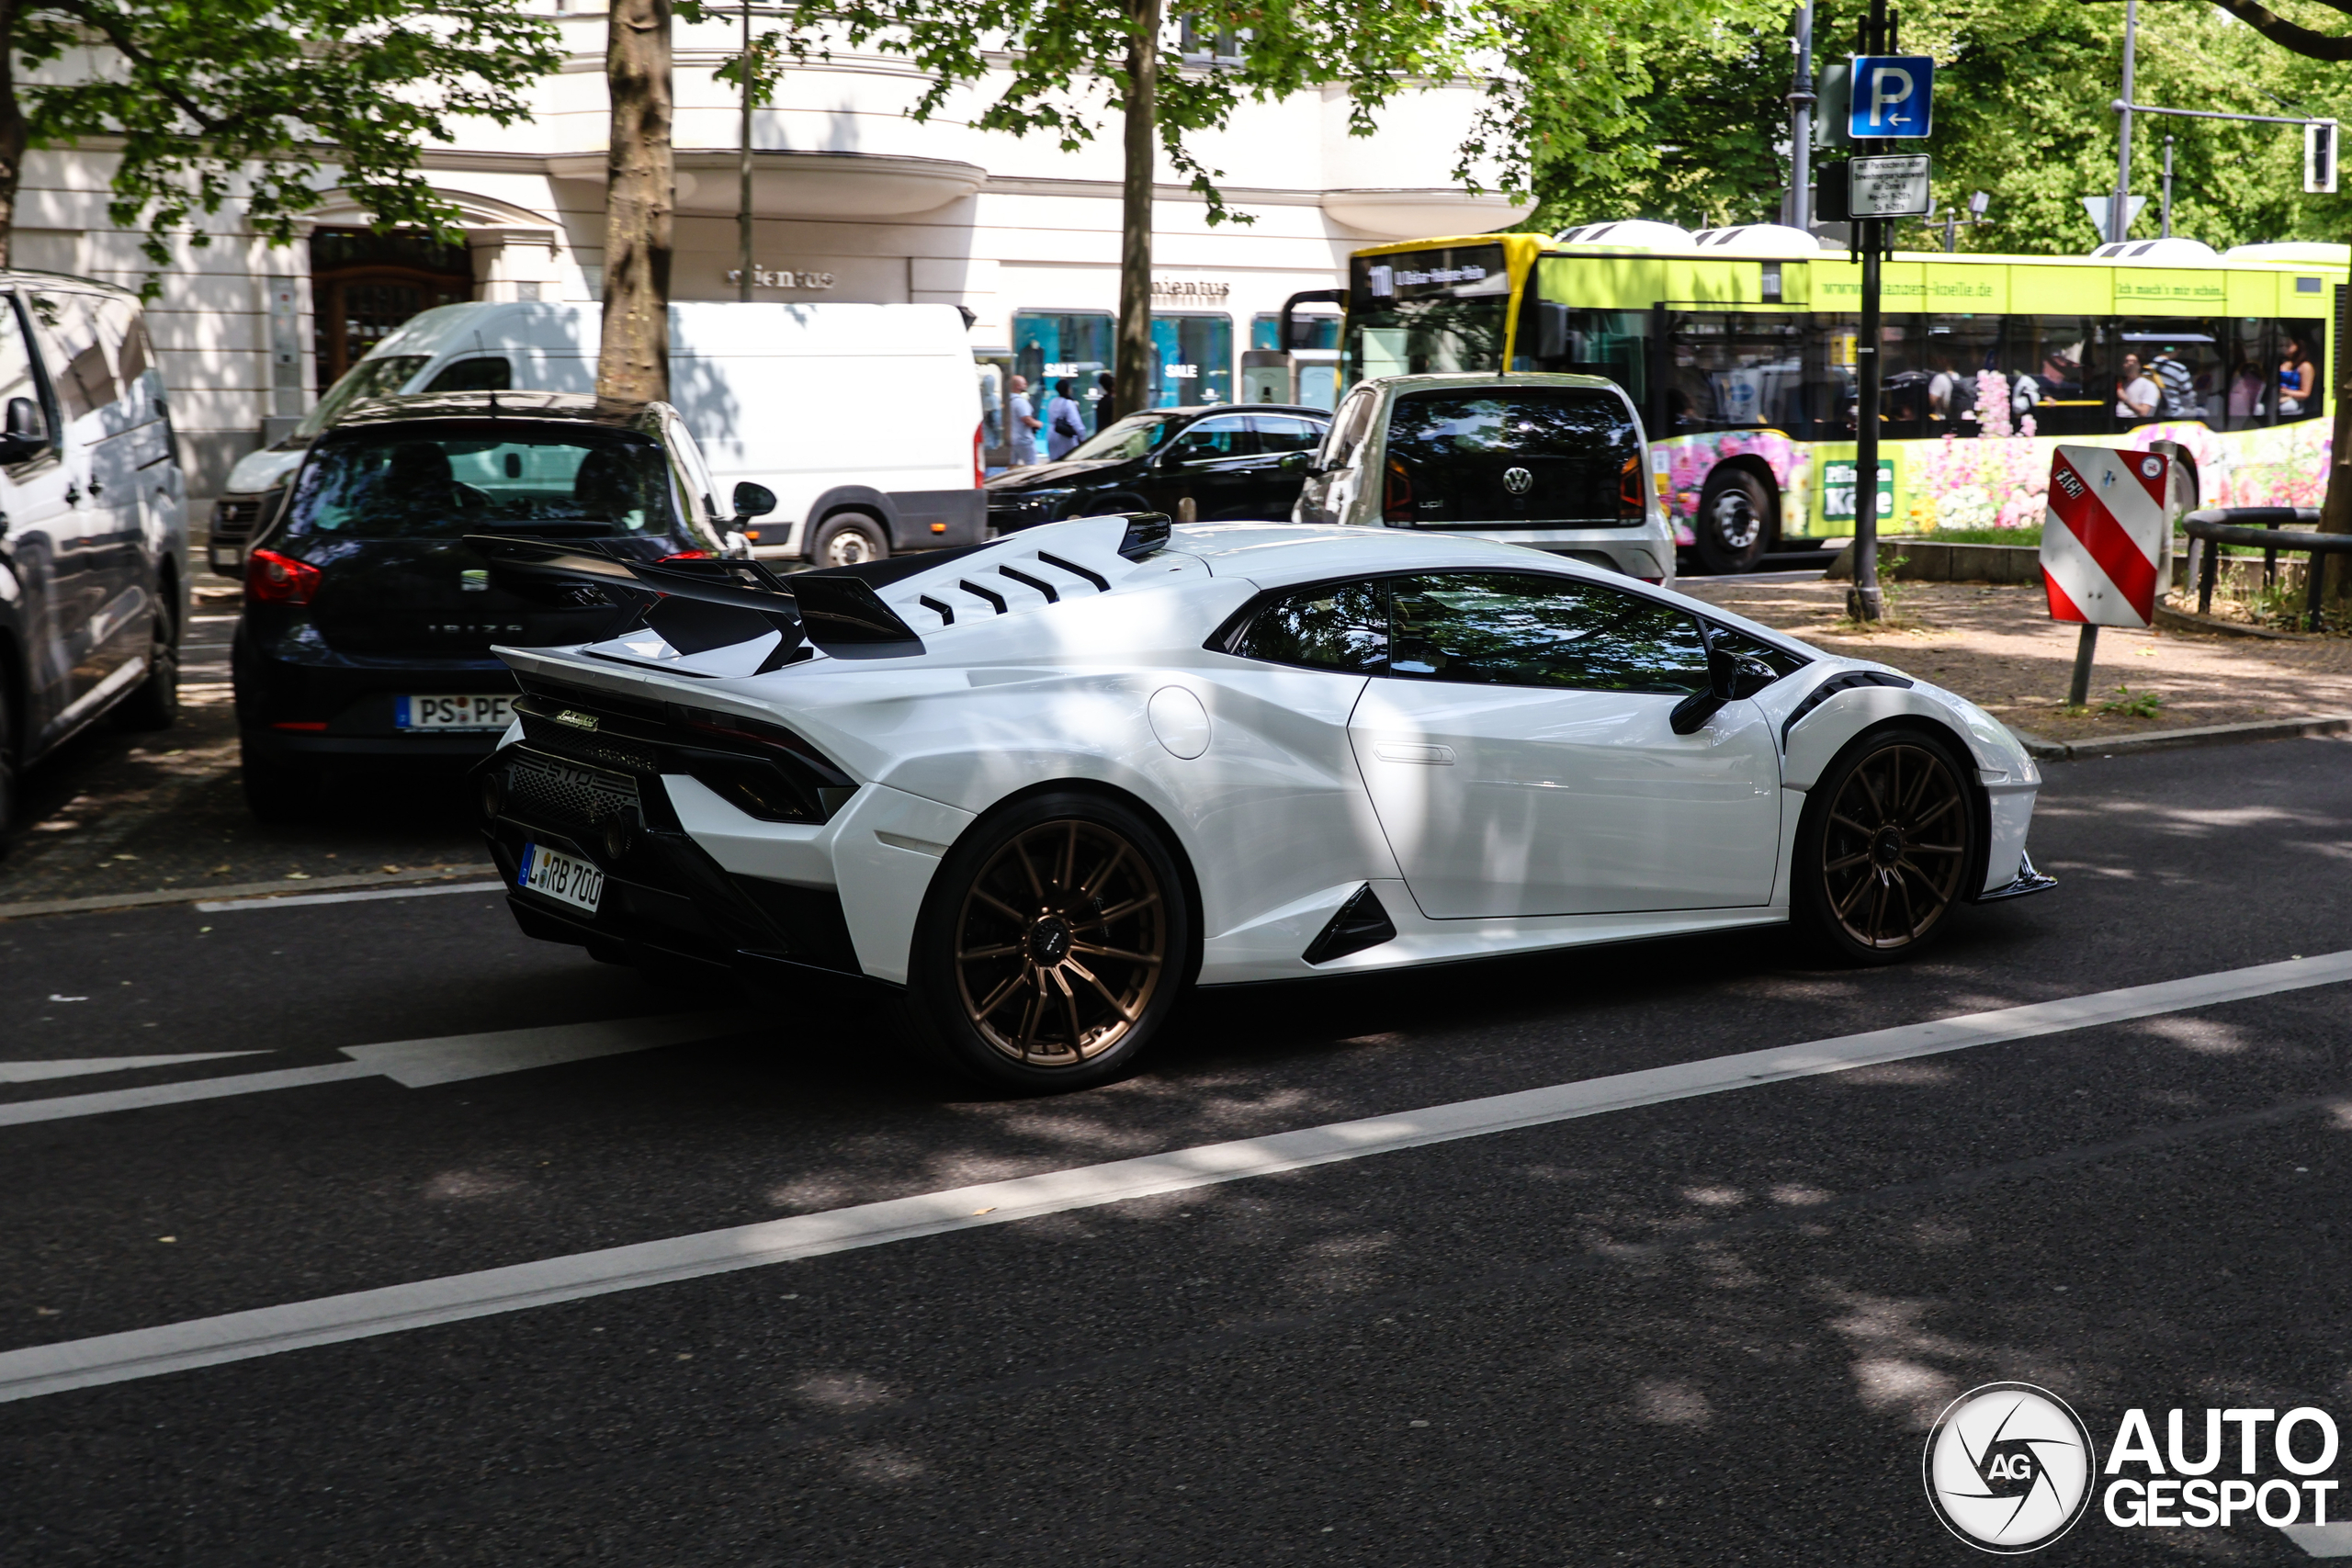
[{"x": 853, "y": 201}]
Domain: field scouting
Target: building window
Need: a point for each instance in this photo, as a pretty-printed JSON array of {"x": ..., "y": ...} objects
[
  {"x": 1051, "y": 348},
  {"x": 1204, "y": 46},
  {"x": 364, "y": 285},
  {"x": 1312, "y": 332},
  {"x": 1191, "y": 360}
]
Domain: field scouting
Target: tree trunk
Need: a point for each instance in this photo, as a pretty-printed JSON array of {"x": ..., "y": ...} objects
[
  {"x": 12, "y": 130},
  {"x": 639, "y": 199},
  {"x": 1131, "y": 383}
]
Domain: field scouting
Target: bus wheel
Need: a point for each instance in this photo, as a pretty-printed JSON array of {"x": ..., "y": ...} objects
[{"x": 1735, "y": 516}]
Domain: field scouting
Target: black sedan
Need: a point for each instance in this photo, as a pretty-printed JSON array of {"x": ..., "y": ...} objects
[
  {"x": 1208, "y": 465},
  {"x": 369, "y": 620}
]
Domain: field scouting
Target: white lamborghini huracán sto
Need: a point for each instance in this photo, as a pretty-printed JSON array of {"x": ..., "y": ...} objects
[{"x": 1039, "y": 786}]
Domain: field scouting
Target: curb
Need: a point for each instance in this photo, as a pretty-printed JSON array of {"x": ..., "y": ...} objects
[
  {"x": 2166, "y": 740},
  {"x": 2184, "y": 620},
  {"x": 238, "y": 890}
]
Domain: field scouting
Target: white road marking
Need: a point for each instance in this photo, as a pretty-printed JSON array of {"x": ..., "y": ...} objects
[
  {"x": 222, "y": 906},
  {"x": 414, "y": 1064},
  {"x": 265, "y": 1331},
  {"x": 75, "y": 1066}
]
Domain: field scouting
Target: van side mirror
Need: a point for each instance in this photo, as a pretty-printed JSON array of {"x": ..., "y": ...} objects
[
  {"x": 22, "y": 433},
  {"x": 754, "y": 500}
]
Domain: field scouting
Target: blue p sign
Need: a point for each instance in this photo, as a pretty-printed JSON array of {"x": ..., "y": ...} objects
[{"x": 1892, "y": 96}]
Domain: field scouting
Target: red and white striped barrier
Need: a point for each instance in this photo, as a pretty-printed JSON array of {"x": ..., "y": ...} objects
[{"x": 2107, "y": 541}]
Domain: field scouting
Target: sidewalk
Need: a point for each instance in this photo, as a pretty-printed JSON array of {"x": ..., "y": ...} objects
[{"x": 1997, "y": 647}]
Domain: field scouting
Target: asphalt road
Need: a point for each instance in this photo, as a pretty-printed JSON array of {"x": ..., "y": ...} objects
[{"x": 1709, "y": 1331}]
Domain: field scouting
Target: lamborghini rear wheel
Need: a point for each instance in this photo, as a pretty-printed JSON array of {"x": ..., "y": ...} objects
[{"x": 1052, "y": 946}]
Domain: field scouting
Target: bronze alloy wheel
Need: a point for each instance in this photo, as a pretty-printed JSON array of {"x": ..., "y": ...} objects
[
  {"x": 1061, "y": 943},
  {"x": 1894, "y": 846}
]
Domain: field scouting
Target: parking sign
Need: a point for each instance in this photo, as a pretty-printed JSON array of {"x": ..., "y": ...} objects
[{"x": 1892, "y": 96}]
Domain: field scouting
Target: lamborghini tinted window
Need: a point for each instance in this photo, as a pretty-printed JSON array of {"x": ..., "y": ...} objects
[
  {"x": 1343, "y": 626},
  {"x": 1512, "y": 630}
]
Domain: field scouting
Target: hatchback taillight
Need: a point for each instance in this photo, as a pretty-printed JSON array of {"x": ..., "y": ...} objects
[
  {"x": 1397, "y": 498},
  {"x": 273, "y": 579},
  {"x": 1630, "y": 503},
  {"x": 979, "y": 468}
]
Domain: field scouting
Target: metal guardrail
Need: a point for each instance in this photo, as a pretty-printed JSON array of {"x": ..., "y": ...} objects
[{"x": 2259, "y": 526}]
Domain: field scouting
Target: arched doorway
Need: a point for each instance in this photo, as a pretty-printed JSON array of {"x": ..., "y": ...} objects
[{"x": 363, "y": 285}]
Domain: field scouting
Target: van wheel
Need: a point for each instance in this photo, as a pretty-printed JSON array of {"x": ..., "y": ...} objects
[
  {"x": 1734, "y": 520},
  {"x": 155, "y": 703},
  {"x": 847, "y": 539},
  {"x": 1052, "y": 946}
]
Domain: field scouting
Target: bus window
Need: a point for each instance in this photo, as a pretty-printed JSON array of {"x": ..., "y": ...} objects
[
  {"x": 2250, "y": 352},
  {"x": 2299, "y": 373},
  {"x": 1958, "y": 350},
  {"x": 1733, "y": 370},
  {"x": 1417, "y": 311},
  {"x": 2055, "y": 365},
  {"x": 2184, "y": 359}
]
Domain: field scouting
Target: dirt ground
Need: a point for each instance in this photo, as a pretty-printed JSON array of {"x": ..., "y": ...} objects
[{"x": 1997, "y": 647}]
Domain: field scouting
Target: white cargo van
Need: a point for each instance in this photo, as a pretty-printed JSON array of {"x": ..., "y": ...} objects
[{"x": 863, "y": 419}]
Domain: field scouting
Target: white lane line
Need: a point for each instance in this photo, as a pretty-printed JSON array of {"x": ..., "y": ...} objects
[
  {"x": 222, "y": 906},
  {"x": 75, "y": 1066},
  {"x": 265, "y": 1331},
  {"x": 414, "y": 1064}
]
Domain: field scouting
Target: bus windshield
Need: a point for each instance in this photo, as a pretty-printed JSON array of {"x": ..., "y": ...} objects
[{"x": 1443, "y": 309}]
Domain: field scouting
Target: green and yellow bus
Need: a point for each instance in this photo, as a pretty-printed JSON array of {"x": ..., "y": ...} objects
[{"x": 1738, "y": 345}]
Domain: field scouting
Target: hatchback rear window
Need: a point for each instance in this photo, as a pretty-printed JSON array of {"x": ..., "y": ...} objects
[
  {"x": 391, "y": 482},
  {"x": 1539, "y": 456}
]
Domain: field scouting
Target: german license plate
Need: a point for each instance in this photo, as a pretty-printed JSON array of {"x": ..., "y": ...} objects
[
  {"x": 482, "y": 711},
  {"x": 561, "y": 877}
]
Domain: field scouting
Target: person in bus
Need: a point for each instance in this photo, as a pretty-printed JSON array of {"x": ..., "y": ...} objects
[
  {"x": 2296, "y": 381},
  {"x": 2178, "y": 384},
  {"x": 2245, "y": 392},
  {"x": 2136, "y": 396}
]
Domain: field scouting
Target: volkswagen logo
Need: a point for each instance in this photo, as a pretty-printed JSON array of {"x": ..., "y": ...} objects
[
  {"x": 2009, "y": 1467},
  {"x": 1519, "y": 481}
]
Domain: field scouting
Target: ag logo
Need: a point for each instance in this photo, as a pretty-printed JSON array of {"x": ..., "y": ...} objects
[
  {"x": 1519, "y": 481},
  {"x": 2008, "y": 1467}
]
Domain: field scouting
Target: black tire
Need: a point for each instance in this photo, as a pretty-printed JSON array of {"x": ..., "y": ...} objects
[
  {"x": 1735, "y": 521},
  {"x": 154, "y": 702},
  {"x": 847, "y": 539},
  {"x": 1885, "y": 849},
  {"x": 277, "y": 790},
  {"x": 1063, "y": 981}
]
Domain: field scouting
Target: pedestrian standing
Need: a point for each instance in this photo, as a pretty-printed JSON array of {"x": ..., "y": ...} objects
[
  {"x": 1021, "y": 424},
  {"x": 1065, "y": 421}
]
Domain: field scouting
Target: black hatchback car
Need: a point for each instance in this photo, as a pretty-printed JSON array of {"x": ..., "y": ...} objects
[
  {"x": 1217, "y": 464},
  {"x": 368, "y": 621}
]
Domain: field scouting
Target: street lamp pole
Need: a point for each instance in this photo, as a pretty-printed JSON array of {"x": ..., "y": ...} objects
[{"x": 2119, "y": 212}]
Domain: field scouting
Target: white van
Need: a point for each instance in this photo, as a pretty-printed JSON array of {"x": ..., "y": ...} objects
[{"x": 863, "y": 419}]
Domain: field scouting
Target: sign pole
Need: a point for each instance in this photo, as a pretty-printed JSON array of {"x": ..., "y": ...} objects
[
  {"x": 2078, "y": 694},
  {"x": 1864, "y": 602}
]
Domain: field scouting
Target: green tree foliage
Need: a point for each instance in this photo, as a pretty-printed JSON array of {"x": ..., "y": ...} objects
[
  {"x": 2023, "y": 89},
  {"x": 212, "y": 100}
]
